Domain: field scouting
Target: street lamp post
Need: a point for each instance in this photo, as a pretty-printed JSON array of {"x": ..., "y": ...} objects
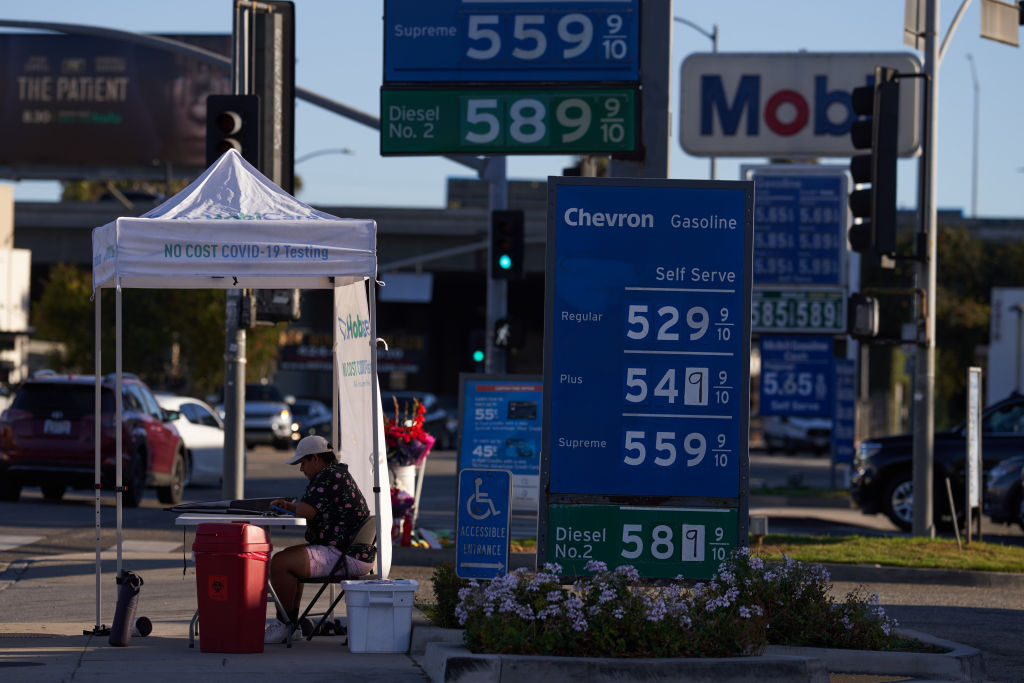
[
  {"x": 974, "y": 157},
  {"x": 713, "y": 37}
]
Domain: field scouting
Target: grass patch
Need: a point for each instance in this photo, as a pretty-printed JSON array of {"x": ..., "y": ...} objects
[
  {"x": 924, "y": 553},
  {"x": 895, "y": 552}
]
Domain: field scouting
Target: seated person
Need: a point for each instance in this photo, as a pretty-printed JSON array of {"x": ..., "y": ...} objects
[{"x": 335, "y": 509}]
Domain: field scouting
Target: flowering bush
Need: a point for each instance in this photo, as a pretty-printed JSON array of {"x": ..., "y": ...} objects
[
  {"x": 746, "y": 605},
  {"x": 407, "y": 443}
]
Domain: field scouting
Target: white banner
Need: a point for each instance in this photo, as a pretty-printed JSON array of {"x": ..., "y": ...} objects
[{"x": 352, "y": 345}]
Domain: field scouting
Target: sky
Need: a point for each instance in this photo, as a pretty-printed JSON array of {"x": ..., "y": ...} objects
[{"x": 339, "y": 55}]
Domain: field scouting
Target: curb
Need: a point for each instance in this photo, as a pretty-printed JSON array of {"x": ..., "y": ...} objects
[
  {"x": 454, "y": 663},
  {"x": 960, "y": 663},
  {"x": 445, "y": 658},
  {"x": 855, "y": 573}
]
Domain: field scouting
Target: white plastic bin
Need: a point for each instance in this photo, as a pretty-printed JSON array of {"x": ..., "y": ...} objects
[{"x": 379, "y": 614}]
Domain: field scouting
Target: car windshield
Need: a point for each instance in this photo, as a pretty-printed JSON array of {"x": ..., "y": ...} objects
[
  {"x": 73, "y": 401},
  {"x": 263, "y": 392}
]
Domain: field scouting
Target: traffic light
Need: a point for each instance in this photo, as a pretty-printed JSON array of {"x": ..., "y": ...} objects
[
  {"x": 874, "y": 207},
  {"x": 862, "y": 316},
  {"x": 278, "y": 305},
  {"x": 477, "y": 348},
  {"x": 233, "y": 122},
  {"x": 507, "y": 245}
]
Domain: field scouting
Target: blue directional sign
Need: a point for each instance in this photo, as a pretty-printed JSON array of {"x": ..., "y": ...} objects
[
  {"x": 797, "y": 376},
  {"x": 799, "y": 228},
  {"x": 648, "y": 312},
  {"x": 482, "y": 523},
  {"x": 511, "y": 41},
  {"x": 844, "y": 422}
]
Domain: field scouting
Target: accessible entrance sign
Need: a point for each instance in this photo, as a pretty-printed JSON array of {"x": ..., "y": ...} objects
[
  {"x": 482, "y": 523},
  {"x": 646, "y": 395}
]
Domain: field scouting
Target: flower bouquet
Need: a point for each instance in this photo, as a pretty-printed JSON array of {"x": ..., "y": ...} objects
[{"x": 406, "y": 441}]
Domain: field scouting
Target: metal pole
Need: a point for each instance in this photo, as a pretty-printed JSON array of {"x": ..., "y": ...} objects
[
  {"x": 1019, "y": 310},
  {"x": 497, "y": 290},
  {"x": 925, "y": 272},
  {"x": 713, "y": 37},
  {"x": 974, "y": 155}
]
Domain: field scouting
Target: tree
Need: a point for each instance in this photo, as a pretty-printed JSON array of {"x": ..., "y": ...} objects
[{"x": 173, "y": 339}]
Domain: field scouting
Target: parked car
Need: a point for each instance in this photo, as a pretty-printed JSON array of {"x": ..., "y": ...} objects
[
  {"x": 797, "y": 434},
  {"x": 1002, "y": 500},
  {"x": 312, "y": 417},
  {"x": 438, "y": 422},
  {"x": 47, "y": 440},
  {"x": 202, "y": 434},
  {"x": 268, "y": 416},
  {"x": 882, "y": 479}
]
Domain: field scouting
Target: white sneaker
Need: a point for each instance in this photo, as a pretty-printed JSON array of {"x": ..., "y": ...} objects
[{"x": 277, "y": 632}]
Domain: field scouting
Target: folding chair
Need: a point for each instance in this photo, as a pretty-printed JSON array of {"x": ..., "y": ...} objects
[{"x": 367, "y": 535}]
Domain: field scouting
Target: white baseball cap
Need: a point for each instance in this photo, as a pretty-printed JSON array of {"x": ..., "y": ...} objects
[{"x": 310, "y": 445}]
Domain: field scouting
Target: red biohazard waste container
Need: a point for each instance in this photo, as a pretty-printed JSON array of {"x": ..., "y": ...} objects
[{"x": 232, "y": 563}]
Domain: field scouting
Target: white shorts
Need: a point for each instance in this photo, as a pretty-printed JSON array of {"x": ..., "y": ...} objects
[{"x": 323, "y": 557}]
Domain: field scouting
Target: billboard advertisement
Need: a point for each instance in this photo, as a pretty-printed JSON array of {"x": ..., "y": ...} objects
[{"x": 88, "y": 102}]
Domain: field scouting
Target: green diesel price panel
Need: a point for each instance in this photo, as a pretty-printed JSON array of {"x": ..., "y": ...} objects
[
  {"x": 534, "y": 121},
  {"x": 798, "y": 311},
  {"x": 659, "y": 542}
]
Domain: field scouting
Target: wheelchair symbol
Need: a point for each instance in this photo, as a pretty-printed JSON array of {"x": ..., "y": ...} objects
[{"x": 479, "y": 505}]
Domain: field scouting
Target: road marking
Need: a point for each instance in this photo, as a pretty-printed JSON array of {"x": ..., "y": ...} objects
[{"x": 11, "y": 541}]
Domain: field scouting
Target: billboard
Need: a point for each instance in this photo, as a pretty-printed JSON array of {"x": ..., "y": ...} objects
[
  {"x": 71, "y": 104},
  {"x": 785, "y": 105}
]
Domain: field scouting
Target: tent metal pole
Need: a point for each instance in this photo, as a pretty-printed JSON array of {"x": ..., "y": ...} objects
[
  {"x": 375, "y": 407},
  {"x": 96, "y": 433},
  {"x": 335, "y": 384},
  {"x": 118, "y": 417}
]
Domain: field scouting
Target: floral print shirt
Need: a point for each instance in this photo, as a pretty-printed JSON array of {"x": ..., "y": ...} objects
[{"x": 340, "y": 511}]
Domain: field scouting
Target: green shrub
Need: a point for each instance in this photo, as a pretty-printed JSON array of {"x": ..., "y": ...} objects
[
  {"x": 446, "y": 596},
  {"x": 746, "y": 605}
]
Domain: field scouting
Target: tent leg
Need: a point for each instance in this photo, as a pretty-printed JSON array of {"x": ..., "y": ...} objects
[{"x": 98, "y": 628}]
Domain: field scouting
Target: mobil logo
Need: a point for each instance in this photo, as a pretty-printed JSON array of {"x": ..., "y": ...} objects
[{"x": 785, "y": 104}]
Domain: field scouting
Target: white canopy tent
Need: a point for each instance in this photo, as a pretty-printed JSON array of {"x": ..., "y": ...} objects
[{"x": 234, "y": 228}]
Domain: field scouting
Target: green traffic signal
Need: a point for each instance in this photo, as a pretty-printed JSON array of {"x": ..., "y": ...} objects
[
  {"x": 478, "y": 356},
  {"x": 505, "y": 261}
]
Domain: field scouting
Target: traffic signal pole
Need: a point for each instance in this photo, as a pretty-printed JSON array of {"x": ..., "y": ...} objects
[
  {"x": 497, "y": 290},
  {"x": 925, "y": 280}
]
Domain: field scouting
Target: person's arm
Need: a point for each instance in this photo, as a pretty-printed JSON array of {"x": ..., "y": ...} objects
[{"x": 299, "y": 508}]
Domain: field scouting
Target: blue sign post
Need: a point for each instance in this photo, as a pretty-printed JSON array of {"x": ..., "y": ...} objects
[
  {"x": 844, "y": 424},
  {"x": 482, "y": 523},
  {"x": 646, "y": 391}
]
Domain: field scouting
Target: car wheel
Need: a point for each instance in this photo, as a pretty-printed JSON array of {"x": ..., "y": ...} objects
[
  {"x": 171, "y": 494},
  {"x": 53, "y": 492},
  {"x": 135, "y": 486},
  {"x": 10, "y": 490},
  {"x": 899, "y": 501}
]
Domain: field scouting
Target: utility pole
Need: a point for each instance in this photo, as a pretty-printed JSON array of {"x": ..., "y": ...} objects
[{"x": 925, "y": 274}]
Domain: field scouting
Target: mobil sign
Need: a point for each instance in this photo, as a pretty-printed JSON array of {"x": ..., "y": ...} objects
[{"x": 786, "y": 104}]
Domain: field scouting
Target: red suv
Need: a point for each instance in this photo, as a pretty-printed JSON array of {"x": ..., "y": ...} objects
[{"x": 47, "y": 440}]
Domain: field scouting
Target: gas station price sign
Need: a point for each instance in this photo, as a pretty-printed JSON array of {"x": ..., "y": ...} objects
[
  {"x": 517, "y": 121},
  {"x": 647, "y": 330},
  {"x": 511, "y": 41}
]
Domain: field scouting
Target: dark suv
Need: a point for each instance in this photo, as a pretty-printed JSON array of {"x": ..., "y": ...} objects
[
  {"x": 882, "y": 478},
  {"x": 47, "y": 440}
]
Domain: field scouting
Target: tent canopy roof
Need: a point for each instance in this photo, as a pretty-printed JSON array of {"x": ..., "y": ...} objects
[{"x": 233, "y": 227}]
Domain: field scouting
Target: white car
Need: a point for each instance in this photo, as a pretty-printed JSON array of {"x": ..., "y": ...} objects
[{"x": 202, "y": 433}]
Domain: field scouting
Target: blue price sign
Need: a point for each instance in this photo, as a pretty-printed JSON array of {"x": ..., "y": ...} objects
[
  {"x": 482, "y": 522},
  {"x": 648, "y": 328},
  {"x": 501, "y": 429},
  {"x": 845, "y": 421},
  {"x": 797, "y": 376},
  {"x": 799, "y": 228},
  {"x": 511, "y": 41}
]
